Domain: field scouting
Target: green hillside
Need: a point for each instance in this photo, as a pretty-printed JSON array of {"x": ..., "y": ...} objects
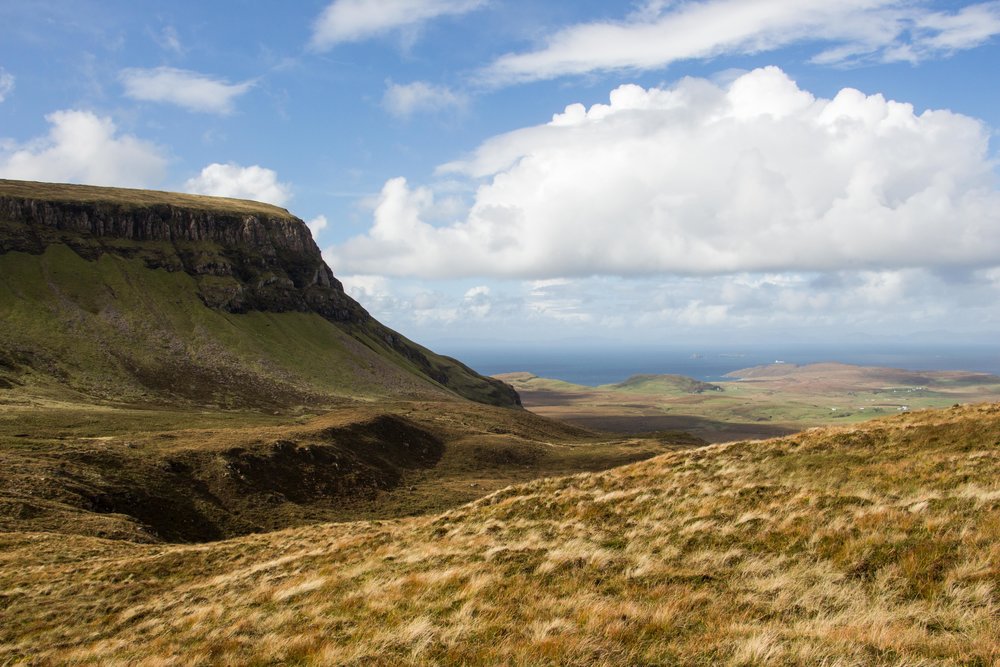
[
  {"x": 663, "y": 384},
  {"x": 136, "y": 296}
]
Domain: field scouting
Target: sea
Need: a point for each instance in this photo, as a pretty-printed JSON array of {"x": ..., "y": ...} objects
[{"x": 597, "y": 365}]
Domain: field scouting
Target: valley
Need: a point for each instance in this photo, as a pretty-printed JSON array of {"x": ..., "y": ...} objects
[
  {"x": 152, "y": 475},
  {"x": 759, "y": 402}
]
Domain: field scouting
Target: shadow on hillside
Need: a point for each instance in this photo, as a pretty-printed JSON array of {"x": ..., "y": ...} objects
[{"x": 707, "y": 429}]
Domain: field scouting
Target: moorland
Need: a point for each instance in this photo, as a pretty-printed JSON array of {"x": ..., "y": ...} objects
[
  {"x": 211, "y": 454},
  {"x": 759, "y": 402},
  {"x": 874, "y": 544}
]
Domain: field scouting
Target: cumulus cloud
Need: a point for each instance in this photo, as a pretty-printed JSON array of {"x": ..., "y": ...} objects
[
  {"x": 758, "y": 175},
  {"x": 477, "y": 301},
  {"x": 6, "y": 83},
  {"x": 404, "y": 100},
  {"x": 660, "y": 33},
  {"x": 190, "y": 90},
  {"x": 232, "y": 180},
  {"x": 365, "y": 288},
  {"x": 357, "y": 20},
  {"x": 82, "y": 147},
  {"x": 317, "y": 224}
]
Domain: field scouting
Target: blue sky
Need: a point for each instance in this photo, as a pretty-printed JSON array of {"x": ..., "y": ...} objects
[{"x": 484, "y": 171}]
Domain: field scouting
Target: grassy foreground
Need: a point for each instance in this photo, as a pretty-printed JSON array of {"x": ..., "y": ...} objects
[
  {"x": 874, "y": 544},
  {"x": 148, "y": 474}
]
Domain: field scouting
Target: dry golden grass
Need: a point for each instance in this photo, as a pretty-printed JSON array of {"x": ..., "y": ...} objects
[
  {"x": 179, "y": 475},
  {"x": 869, "y": 545}
]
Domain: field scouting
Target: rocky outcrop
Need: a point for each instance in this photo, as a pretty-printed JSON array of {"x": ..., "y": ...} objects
[
  {"x": 244, "y": 256},
  {"x": 243, "y": 261}
]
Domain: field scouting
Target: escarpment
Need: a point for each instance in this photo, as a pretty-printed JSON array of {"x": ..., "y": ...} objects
[
  {"x": 244, "y": 257},
  {"x": 241, "y": 257}
]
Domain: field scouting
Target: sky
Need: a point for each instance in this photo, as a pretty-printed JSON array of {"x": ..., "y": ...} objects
[{"x": 513, "y": 172}]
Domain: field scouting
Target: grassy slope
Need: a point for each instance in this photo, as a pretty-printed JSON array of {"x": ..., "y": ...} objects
[
  {"x": 877, "y": 544},
  {"x": 767, "y": 401},
  {"x": 114, "y": 329},
  {"x": 169, "y": 474},
  {"x": 662, "y": 384}
]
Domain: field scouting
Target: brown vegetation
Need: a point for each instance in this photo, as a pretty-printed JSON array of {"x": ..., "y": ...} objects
[
  {"x": 152, "y": 475},
  {"x": 875, "y": 544}
]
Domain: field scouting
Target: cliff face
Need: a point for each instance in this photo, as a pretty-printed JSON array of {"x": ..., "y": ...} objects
[
  {"x": 244, "y": 260},
  {"x": 244, "y": 257}
]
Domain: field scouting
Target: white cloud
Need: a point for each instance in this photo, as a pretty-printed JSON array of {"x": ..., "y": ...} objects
[
  {"x": 668, "y": 309},
  {"x": 356, "y": 20},
  {"x": 82, "y": 147},
  {"x": 6, "y": 83},
  {"x": 477, "y": 302},
  {"x": 190, "y": 90},
  {"x": 661, "y": 33},
  {"x": 169, "y": 40},
  {"x": 317, "y": 224},
  {"x": 475, "y": 292},
  {"x": 404, "y": 100},
  {"x": 700, "y": 179},
  {"x": 232, "y": 180},
  {"x": 365, "y": 287}
]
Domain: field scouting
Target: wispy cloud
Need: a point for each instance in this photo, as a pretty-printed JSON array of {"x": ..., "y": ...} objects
[
  {"x": 186, "y": 89},
  {"x": 6, "y": 83},
  {"x": 404, "y": 100},
  {"x": 170, "y": 40},
  {"x": 357, "y": 20},
  {"x": 660, "y": 33}
]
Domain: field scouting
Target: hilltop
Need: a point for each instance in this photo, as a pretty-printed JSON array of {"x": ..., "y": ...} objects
[
  {"x": 139, "y": 296},
  {"x": 866, "y": 544}
]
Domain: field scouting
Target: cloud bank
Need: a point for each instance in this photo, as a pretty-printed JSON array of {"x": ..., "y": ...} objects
[
  {"x": 662, "y": 32},
  {"x": 232, "y": 180},
  {"x": 698, "y": 179},
  {"x": 183, "y": 88},
  {"x": 357, "y": 20},
  {"x": 82, "y": 147},
  {"x": 743, "y": 308}
]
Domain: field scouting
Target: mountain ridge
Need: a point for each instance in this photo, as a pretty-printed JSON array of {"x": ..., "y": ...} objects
[{"x": 241, "y": 257}]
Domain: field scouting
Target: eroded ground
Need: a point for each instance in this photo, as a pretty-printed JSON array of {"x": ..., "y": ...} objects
[{"x": 155, "y": 474}]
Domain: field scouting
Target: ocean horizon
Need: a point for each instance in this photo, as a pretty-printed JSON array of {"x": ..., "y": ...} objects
[{"x": 599, "y": 365}]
